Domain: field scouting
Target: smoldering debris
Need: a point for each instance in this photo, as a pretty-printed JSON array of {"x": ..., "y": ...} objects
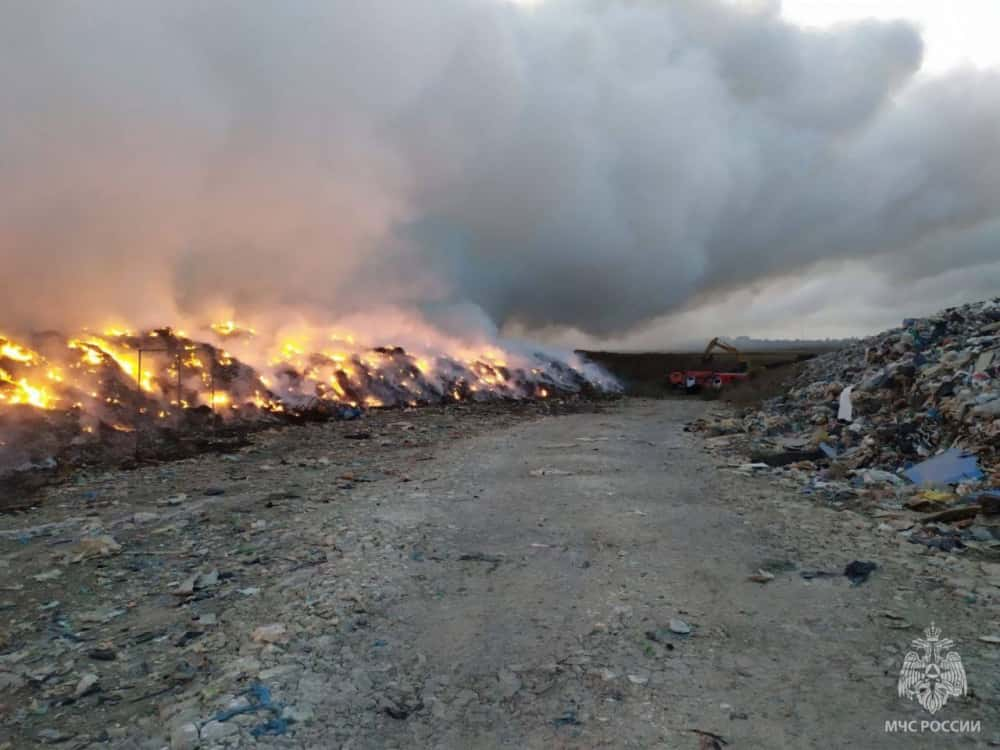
[{"x": 99, "y": 399}]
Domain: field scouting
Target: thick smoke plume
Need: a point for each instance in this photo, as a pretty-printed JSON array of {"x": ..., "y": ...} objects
[{"x": 584, "y": 163}]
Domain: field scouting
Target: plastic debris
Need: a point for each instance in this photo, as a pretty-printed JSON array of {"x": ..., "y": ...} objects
[
  {"x": 548, "y": 471},
  {"x": 270, "y": 633},
  {"x": 846, "y": 410},
  {"x": 679, "y": 626},
  {"x": 270, "y": 728},
  {"x": 568, "y": 719},
  {"x": 936, "y": 496},
  {"x": 950, "y": 467},
  {"x": 881, "y": 421},
  {"x": 857, "y": 571},
  {"x": 761, "y": 576},
  {"x": 259, "y": 699},
  {"x": 86, "y": 685}
]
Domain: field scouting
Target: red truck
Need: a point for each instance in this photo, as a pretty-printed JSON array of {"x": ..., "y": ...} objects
[{"x": 695, "y": 380}]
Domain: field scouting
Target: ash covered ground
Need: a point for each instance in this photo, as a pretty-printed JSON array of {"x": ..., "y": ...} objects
[
  {"x": 137, "y": 571},
  {"x": 539, "y": 574}
]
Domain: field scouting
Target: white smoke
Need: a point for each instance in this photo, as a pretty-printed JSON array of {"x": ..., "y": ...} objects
[{"x": 594, "y": 164}]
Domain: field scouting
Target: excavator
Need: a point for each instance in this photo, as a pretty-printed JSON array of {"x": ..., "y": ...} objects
[{"x": 693, "y": 381}]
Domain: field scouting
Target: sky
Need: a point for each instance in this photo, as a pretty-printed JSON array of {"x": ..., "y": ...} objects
[
  {"x": 612, "y": 173},
  {"x": 956, "y": 33}
]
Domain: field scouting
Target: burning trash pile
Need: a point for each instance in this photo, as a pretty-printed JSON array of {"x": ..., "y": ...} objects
[
  {"x": 97, "y": 390},
  {"x": 908, "y": 421}
]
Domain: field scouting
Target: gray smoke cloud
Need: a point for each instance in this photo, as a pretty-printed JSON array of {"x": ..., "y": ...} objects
[{"x": 593, "y": 164}]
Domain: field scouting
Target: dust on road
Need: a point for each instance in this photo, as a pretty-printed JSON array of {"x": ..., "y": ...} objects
[{"x": 440, "y": 579}]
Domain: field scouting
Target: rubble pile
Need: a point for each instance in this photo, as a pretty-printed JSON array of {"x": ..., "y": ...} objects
[
  {"x": 907, "y": 419},
  {"x": 104, "y": 399}
]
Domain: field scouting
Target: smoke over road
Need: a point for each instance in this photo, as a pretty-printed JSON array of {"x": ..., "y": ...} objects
[{"x": 594, "y": 164}]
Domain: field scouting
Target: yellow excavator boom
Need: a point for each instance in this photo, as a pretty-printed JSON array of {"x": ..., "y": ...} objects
[{"x": 718, "y": 343}]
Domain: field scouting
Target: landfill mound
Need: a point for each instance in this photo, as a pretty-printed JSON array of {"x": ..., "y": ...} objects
[
  {"x": 123, "y": 396},
  {"x": 907, "y": 420}
]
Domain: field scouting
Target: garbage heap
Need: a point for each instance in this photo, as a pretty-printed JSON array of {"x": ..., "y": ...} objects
[{"x": 907, "y": 419}]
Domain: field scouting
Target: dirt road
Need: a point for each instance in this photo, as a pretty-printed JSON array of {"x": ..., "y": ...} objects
[{"x": 521, "y": 587}]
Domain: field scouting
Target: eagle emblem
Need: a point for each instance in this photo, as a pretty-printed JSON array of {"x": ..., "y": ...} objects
[{"x": 932, "y": 673}]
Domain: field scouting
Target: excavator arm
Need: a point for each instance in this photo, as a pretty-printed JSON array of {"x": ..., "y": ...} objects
[{"x": 718, "y": 343}]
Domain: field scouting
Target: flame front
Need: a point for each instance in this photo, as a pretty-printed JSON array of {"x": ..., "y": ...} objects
[
  {"x": 121, "y": 377},
  {"x": 23, "y": 377}
]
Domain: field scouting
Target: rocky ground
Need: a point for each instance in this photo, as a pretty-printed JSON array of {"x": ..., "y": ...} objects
[{"x": 475, "y": 577}]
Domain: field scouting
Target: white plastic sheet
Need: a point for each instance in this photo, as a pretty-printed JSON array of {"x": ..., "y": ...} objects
[{"x": 846, "y": 412}]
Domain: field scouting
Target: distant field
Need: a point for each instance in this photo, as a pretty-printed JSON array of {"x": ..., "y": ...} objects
[{"x": 645, "y": 373}]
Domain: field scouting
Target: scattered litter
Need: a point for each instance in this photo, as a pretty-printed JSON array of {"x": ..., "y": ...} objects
[
  {"x": 857, "y": 571},
  {"x": 96, "y": 546},
  {"x": 709, "y": 740},
  {"x": 679, "y": 626},
  {"x": 53, "y": 736},
  {"x": 937, "y": 496},
  {"x": 180, "y": 660},
  {"x": 785, "y": 458},
  {"x": 100, "y": 616},
  {"x": 550, "y": 472},
  {"x": 88, "y": 684},
  {"x": 568, "y": 719},
  {"x": 809, "y": 575},
  {"x": 184, "y": 737},
  {"x": 270, "y": 728},
  {"x": 951, "y": 467},
  {"x": 481, "y": 557},
  {"x": 938, "y": 538},
  {"x": 196, "y": 582},
  {"x": 952, "y": 514},
  {"x": 274, "y": 633},
  {"x": 929, "y": 500},
  {"x": 206, "y": 580},
  {"x": 845, "y": 413},
  {"x": 907, "y": 418},
  {"x": 258, "y": 698},
  {"x": 662, "y": 636}
]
